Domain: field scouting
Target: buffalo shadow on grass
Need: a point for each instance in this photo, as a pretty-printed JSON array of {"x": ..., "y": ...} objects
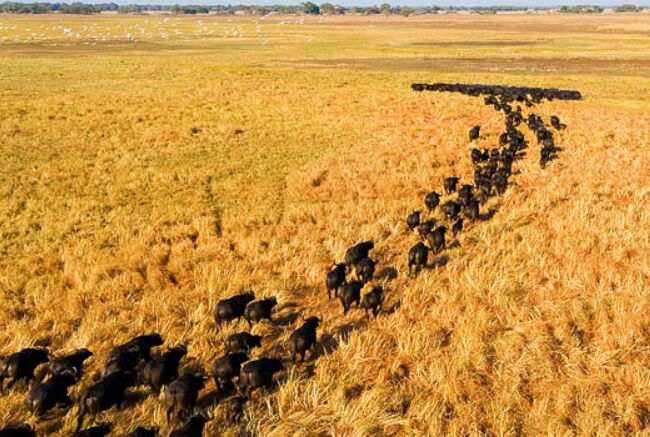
[
  {"x": 287, "y": 319},
  {"x": 438, "y": 262},
  {"x": 214, "y": 397},
  {"x": 134, "y": 397},
  {"x": 486, "y": 216},
  {"x": 329, "y": 342},
  {"x": 387, "y": 273}
]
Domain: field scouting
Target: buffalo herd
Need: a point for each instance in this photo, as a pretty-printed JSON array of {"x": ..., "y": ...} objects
[
  {"x": 493, "y": 167},
  {"x": 236, "y": 373}
]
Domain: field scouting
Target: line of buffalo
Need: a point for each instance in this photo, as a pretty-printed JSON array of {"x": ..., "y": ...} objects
[
  {"x": 492, "y": 168},
  {"x": 131, "y": 364},
  {"x": 533, "y": 95}
]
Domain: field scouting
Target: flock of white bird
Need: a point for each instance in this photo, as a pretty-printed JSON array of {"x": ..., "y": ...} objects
[{"x": 130, "y": 31}]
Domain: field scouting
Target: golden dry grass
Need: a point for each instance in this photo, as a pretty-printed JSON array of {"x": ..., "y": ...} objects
[{"x": 117, "y": 219}]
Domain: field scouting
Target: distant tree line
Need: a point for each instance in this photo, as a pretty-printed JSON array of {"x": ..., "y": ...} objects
[
  {"x": 65, "y": 8},
  {"x": 581, "y": 9},
  {"x": 305, "y": 8},
  {"x": 629, "y": 8},
  {"x": 593, "y": 9},
  {"x": 93, "y": 8}
]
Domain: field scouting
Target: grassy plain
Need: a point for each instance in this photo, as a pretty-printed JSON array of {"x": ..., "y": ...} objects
[{"x": 153, "y": 165}]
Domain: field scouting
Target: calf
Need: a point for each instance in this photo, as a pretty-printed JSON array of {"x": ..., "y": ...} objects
[
  {"x": 555, "y": 122},
  {"x": 226, "y": 368},
  {"x": 192, "y": 428},
  {"x": 350, "y": 293},
  {"x": 490, "y": 100},
  {"x": 474, "y": 133},
  {"x": 544, "y": 135},
  {"x": 471, "y": 210},
  {"x": 242, "y": 342},
  {"x": 450, "y": 183},
  {"x": 372, "y": 301},
  {"x": 418, "y": 256},
  {"x": 425, "y": 227},
  {"x": 232, "y": 308},
  {"x": 504, "y": 139},
  {"x": 495, "y": 155},
  {"x": 335, "y": 278},
  {"x": 180, "y": 395},
  {"x": 413, "y": 220},
  {"x": 21, "y": 365},
  {"x": 501, "y": 182},
  {"x": 475, "y": 155},
  {"x": 517, "y": 140},
  {"x": 258, "y": 374},
  {"x": 483, "y": 177},
  {"x": 107, "y": 392},
  {"x": 164, "y": 369},
  {"x": 365, "y": 269},
  {"x": 466, "y": 193},
  {"x": 484, "y": 191},
  {"x": 303, "y": 339},
  {"x": 457, "y": 227},
  {"x": 357, "y": 252},
  {"x": 514, "y": 118},
  {"x": 44, "y": 396},
  {"x": 546, "y": 154},
  {"x": 534, "y": 121},
  {"x": 71, "y": 363},
  {"x": 432, "y": 200},
  {"x": 451, "y": 209},
  {"x": 507, "y": 158},
  {"x": 548, "y": 142},
  {"x": 436, "y": 239},
  {"x": 259, "y": 310},
  {"x": 479, "y": 156}
]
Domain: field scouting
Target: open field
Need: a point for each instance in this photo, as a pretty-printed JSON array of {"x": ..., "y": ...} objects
[{"x": 152, "y": 166}]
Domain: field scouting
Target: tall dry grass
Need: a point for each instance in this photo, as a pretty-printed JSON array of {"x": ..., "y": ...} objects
[{"x": 142, "y": 182}]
